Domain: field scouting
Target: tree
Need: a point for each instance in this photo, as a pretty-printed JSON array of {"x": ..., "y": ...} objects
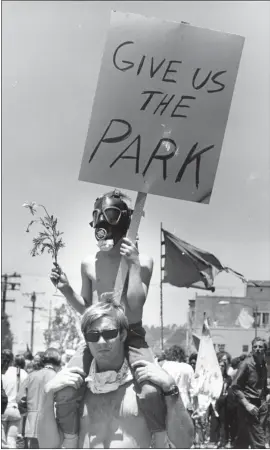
[
  {"x": 6, "y": 334},
  {"x": 64, "y": 330}
]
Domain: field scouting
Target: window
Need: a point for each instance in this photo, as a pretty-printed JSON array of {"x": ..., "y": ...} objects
[
  {"x": 257, "y": 320},
  {"x": 221, "y": 347},
  {"x": 265, "y": 319},
  {"x": 245, "y": 348}
]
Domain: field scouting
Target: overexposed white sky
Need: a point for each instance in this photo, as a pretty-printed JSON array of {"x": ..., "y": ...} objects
[{"x": 51, "y": 56}]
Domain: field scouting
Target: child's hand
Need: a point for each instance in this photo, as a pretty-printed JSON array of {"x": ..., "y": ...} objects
[
  {"x": 129, "y": 251},
  {"x": 58, "y": 277}
]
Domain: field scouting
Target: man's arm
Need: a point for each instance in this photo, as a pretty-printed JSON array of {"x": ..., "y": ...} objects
[
  {"x": 47, "y": 430},
  {"x": 238, "y": 384},
  {"x": 180, "y": 428},
  {"x": 49, "y": 435}
]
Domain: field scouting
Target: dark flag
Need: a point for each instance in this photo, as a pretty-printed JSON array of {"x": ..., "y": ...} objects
[{"x": 188, "y": 266}]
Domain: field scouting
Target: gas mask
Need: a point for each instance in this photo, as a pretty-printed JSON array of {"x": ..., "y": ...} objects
[{"x": 111, "y": 219}]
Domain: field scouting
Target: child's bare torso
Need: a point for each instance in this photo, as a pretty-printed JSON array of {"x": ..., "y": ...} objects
[{"x": 102, "y": 270}]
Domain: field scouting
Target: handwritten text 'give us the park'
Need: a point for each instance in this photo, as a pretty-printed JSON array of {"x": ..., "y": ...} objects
[{"x": 157, "y": 102}]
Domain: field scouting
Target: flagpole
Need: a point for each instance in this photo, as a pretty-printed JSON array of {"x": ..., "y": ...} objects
[{"x": 161, "y": 293}]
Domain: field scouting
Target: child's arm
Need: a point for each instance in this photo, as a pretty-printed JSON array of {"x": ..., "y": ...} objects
[
  {"x": 78, "y": 302},
  {"x": 140, "y": 273}
]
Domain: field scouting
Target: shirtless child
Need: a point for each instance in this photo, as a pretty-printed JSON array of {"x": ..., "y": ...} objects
[{"x": 111, "y": 220}]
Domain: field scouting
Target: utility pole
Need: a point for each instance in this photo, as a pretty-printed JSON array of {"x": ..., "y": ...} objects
[
  {"x": 50, "y": 324},
  {"x": 8, "y": 286},
  {"x": 33, "y": 310},
  {"x": 256, "y": 323}
]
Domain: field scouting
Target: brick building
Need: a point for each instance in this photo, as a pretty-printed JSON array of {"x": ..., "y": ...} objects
[{"x": 223, "y": 312}]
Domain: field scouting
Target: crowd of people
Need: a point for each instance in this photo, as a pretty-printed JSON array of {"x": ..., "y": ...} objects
[
  {"x": 114, "y": 392},
  {"x": 226, "y": 425}
]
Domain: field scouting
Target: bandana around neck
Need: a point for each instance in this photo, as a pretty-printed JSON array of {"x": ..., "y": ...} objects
[{"x": 103, "y": 382}]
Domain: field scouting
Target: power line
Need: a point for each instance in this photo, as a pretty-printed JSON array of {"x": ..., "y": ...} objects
[
  {"x": 7, "y": 285},
  {"x": 33, "y": 308}
]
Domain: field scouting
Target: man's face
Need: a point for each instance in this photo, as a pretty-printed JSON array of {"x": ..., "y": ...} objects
[
  {"x": 222, "y": 366},
  {"x": 37, "y": 361},
  {"x": 193, "y": 364},
  {"x": 258, "y": 350},
  {"x": 106, "y": 350}
]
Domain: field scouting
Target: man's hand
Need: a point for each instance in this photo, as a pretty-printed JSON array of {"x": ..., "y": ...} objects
[
  {"x": 58, "y": 277},
  {"x": 148, "y": 371},
  {"x": 73, "y": 377},
  {"x": 129, "y": 251},
  {"x": 252, "y": 409}
]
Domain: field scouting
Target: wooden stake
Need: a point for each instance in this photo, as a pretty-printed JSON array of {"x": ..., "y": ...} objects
[{"x": 131, "y": 234}]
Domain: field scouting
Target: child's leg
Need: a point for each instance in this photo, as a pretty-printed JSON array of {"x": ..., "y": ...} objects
[
  {"x": 67, "y": 401},
  {"x": 150, "y": 397}
]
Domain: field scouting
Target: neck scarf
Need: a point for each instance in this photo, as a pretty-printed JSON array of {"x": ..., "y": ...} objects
[{"x": 103, "y": 382}]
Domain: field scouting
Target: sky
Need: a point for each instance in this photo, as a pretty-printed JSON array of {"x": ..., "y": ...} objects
[{"x": 51, "y": 57}]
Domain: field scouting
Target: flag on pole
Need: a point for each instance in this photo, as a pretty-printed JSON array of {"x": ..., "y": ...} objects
[
  {"x": 245, "y": 320},
  {"x": 188, "y": 266},
  {"x": 208, "y": 380}
]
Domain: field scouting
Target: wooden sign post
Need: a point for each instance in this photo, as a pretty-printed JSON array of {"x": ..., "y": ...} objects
[{"x": 132, "y": 233}]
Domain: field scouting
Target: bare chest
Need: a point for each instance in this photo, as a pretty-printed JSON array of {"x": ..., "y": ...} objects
[
  {"x": 103, "y": 275},
  {"x": 113, "y": 420}
]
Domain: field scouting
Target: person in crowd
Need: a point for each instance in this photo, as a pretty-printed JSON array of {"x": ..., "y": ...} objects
[
  {"x": 251, "y": 391},
  {"x": 219, "y": 427},
  {"x": 110, "y": 414},
  {"x": 28, "y": 361},
  {"x": 38, "y": 361},
  {"x": 111, "y": 220},
  {"x": 192, "y": 360},
  {"x": 232, "y": 371},
  {"x": 182, "y": 372},
  {"x": 267, "y": 422},
  {"x": 4, "y": 397},
  {"x": 19, "y": 361},
  {"x": 11, "y": 418},
  {"x": 31, "y": 395}
]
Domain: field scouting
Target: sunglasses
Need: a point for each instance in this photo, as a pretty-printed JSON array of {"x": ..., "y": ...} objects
[{"x": 93, "y": 336}]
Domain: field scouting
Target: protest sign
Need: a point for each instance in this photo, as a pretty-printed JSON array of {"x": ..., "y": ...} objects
[{"x": 161, "y": 107}]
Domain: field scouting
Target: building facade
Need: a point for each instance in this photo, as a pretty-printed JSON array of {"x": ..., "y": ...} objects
[{"x": 230, "y": 317}]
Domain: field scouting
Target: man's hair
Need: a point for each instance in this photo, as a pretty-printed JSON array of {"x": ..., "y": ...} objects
[
  {"x": 257, "y": 339},
  {"x": 242, "y": 357},
  {"x": 39, "y": 364},
  {"x": 52, "y": 356},
  {"x": 19, "y": 361},
  {"x": 107, "y": 307},
  {"x": 28, "y": 355},
  {"x": 221, "y": 355},
  {"x": 192, "y": 356},
  {"x": 235, "y": 362},
  {"x": 175, "y": 353},
  {"x": 7, "y": 358}
]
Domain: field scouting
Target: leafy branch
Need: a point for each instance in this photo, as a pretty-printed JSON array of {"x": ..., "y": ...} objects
[{"x": 49, "y": 239}]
